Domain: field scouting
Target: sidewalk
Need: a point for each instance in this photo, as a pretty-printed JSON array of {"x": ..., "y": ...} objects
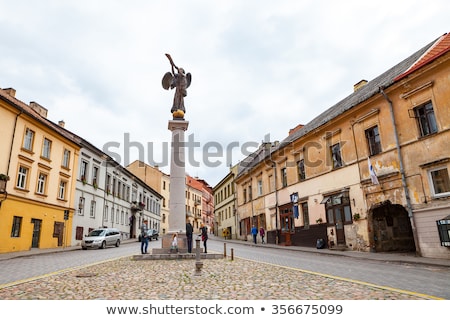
[{"x": 397, "y": 257}]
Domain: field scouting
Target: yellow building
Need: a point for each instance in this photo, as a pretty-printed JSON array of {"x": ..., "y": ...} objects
[{"x": 41, "y": 159}]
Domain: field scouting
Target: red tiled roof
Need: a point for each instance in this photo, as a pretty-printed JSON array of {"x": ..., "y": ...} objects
[{"x": 440, "y": 47}]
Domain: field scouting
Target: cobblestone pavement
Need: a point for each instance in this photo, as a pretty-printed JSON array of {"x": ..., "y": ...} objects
[{"x": 219, "y": 279}]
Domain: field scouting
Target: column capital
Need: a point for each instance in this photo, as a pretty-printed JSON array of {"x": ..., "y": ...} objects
[{"x": 178, "y": 125}]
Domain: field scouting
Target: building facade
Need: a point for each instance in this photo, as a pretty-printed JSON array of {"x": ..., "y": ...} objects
[
  {"x": 226, "y": 219},
  {"x": 38, "y": 167},
  {"x": 369, "y": 173}
]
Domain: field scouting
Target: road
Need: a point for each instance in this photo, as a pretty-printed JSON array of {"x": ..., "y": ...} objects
[{"x": 419, "y": 278}]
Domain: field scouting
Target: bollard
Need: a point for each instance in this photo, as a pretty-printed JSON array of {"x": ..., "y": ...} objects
[
  {"x": 224, "y": 250},
  {"x": 198, "y": 262},
  {"x": 232, "y": 254}
]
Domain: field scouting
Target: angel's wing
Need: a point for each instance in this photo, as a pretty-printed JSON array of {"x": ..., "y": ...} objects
[
  {"x": 167, "y": 80},
  {"x": 188, "y": 79}
]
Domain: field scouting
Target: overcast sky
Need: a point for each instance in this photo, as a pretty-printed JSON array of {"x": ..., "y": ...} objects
[{"x": 258, "y": 67}]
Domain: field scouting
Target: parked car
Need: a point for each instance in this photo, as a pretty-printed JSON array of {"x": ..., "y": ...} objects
[
  {"x": 152, "y": 234},
  {"x": 101, "y": 238}
]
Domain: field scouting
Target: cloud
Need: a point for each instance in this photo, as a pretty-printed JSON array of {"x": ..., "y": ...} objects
[{"x": 259, "y": 68}]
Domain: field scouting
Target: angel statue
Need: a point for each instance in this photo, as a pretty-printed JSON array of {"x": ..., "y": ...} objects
[{"x": 180, "y": 81}]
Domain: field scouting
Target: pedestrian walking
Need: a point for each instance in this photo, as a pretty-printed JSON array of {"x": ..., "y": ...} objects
[
  {"x": 189, "y": 232},
  {"x": 144, "y": 237},
  {"x": 254, "y": 233},
  {"x": 204, "y": 235},
  {"x": 262, "y": 233}
]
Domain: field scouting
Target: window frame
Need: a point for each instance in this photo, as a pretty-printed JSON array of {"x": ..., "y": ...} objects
[
  {"x": 16, "y": 227},
  {"x": 22, "y": 177},
  {"x": 28, "y": 140},
  {"x": 62, "y": 186},
  {"x": 336, "y": 156},
  {"x": 433, "y": 184},
  {"x": 46, "y": 148},
  {"x": 301, "y": 172},
  {"x": 426, "y": 121},
  {"x": 41, "y": 184},
  {"x": 373, "y": 140},
  {"x": 66, "y": 158}
]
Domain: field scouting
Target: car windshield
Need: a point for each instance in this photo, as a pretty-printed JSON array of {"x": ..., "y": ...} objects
[{"x": 96, "y": 233}]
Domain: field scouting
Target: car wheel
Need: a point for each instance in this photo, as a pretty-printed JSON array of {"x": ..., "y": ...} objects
[
  {"x": 84, "y": 248},
  {"x": 103, "y": 246},
  {"x": 118, "y": 243}
]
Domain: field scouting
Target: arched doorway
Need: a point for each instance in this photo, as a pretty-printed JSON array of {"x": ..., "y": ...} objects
[{"x": 391, "y": 228}]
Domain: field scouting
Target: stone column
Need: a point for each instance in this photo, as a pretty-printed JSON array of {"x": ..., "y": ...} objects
[{"x": 177, "y": 201}]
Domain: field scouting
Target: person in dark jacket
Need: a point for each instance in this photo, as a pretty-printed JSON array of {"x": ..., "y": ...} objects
[
  {"x": 189, "y": 232},
  {"x": 204, "y": 235}
]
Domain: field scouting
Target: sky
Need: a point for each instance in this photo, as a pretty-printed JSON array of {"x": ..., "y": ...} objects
[{"x": 259, "y": 67}]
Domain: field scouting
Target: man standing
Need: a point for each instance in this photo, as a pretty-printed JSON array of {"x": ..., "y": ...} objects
[
  {"x": 254, "y": 233},
  {"x": 189, "y": 231},
  {"x": 144, "y": 237}
]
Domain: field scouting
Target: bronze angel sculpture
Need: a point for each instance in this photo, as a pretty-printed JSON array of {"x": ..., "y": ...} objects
[{"x": 180, "y": 81}]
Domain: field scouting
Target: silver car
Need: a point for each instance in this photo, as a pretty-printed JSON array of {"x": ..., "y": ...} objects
[{"x": 101, "y": 238}]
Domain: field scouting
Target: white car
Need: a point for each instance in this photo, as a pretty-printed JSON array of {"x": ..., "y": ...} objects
[{"x": 101, "y": 238}]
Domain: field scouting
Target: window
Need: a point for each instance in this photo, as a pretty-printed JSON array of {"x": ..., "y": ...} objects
[
  {"x": 62, "y": 190},
  {"x": 108, "y": 185},
  {"x": 373, "y": 140},
  {"x": 46, "y": 147},
  {"x": 66, "y": 158},
  {"x": 440, "y": 182},
  {"x": 336, "y": 156},
  {"x": 16, "y": 226},
  {"x": 95, "y": 176},
  {"x": 284, "y": 177},
  {"x": 84, "y": 171},
  {"x": 81, "y": 203},
  {"x": 250, "y": 193},
  {"x": 426, "y": 120},
  {"x": 28, "y": 140},
  {"x": 338, "y": 209},
  {"x": 260, "y": 187},
  {"x": 92, "y": 209},
  {"x": 301, "y": 170},
  {"x": 245, "y": 194},
  {"x": 271, "y": 183},
  {"x": 105, "y": 213},
  {"x": 305, "y": 214},
  {"x": 42, "y": 179},
  {"x": 22, "y": 178}
]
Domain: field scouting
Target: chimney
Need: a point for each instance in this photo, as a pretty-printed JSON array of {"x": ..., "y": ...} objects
[
  {"x": 39, "y": 109},
  {"x": 298, "y": 127},
  {"x": 61, "y": 123},
  {"x": 10, "y": 91},
  {"x": 359, "y": 85}
]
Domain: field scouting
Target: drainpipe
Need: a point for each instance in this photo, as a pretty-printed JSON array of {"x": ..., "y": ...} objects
[
  {"x": 402, "y": 173},
  {"x": 277, "y": 235},
  {"x": 12, "y": 141}
]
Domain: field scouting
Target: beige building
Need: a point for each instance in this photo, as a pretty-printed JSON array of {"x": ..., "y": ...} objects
[
  {"x": 226, "y": 220},
  {"x": 316, "y": 183}
]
